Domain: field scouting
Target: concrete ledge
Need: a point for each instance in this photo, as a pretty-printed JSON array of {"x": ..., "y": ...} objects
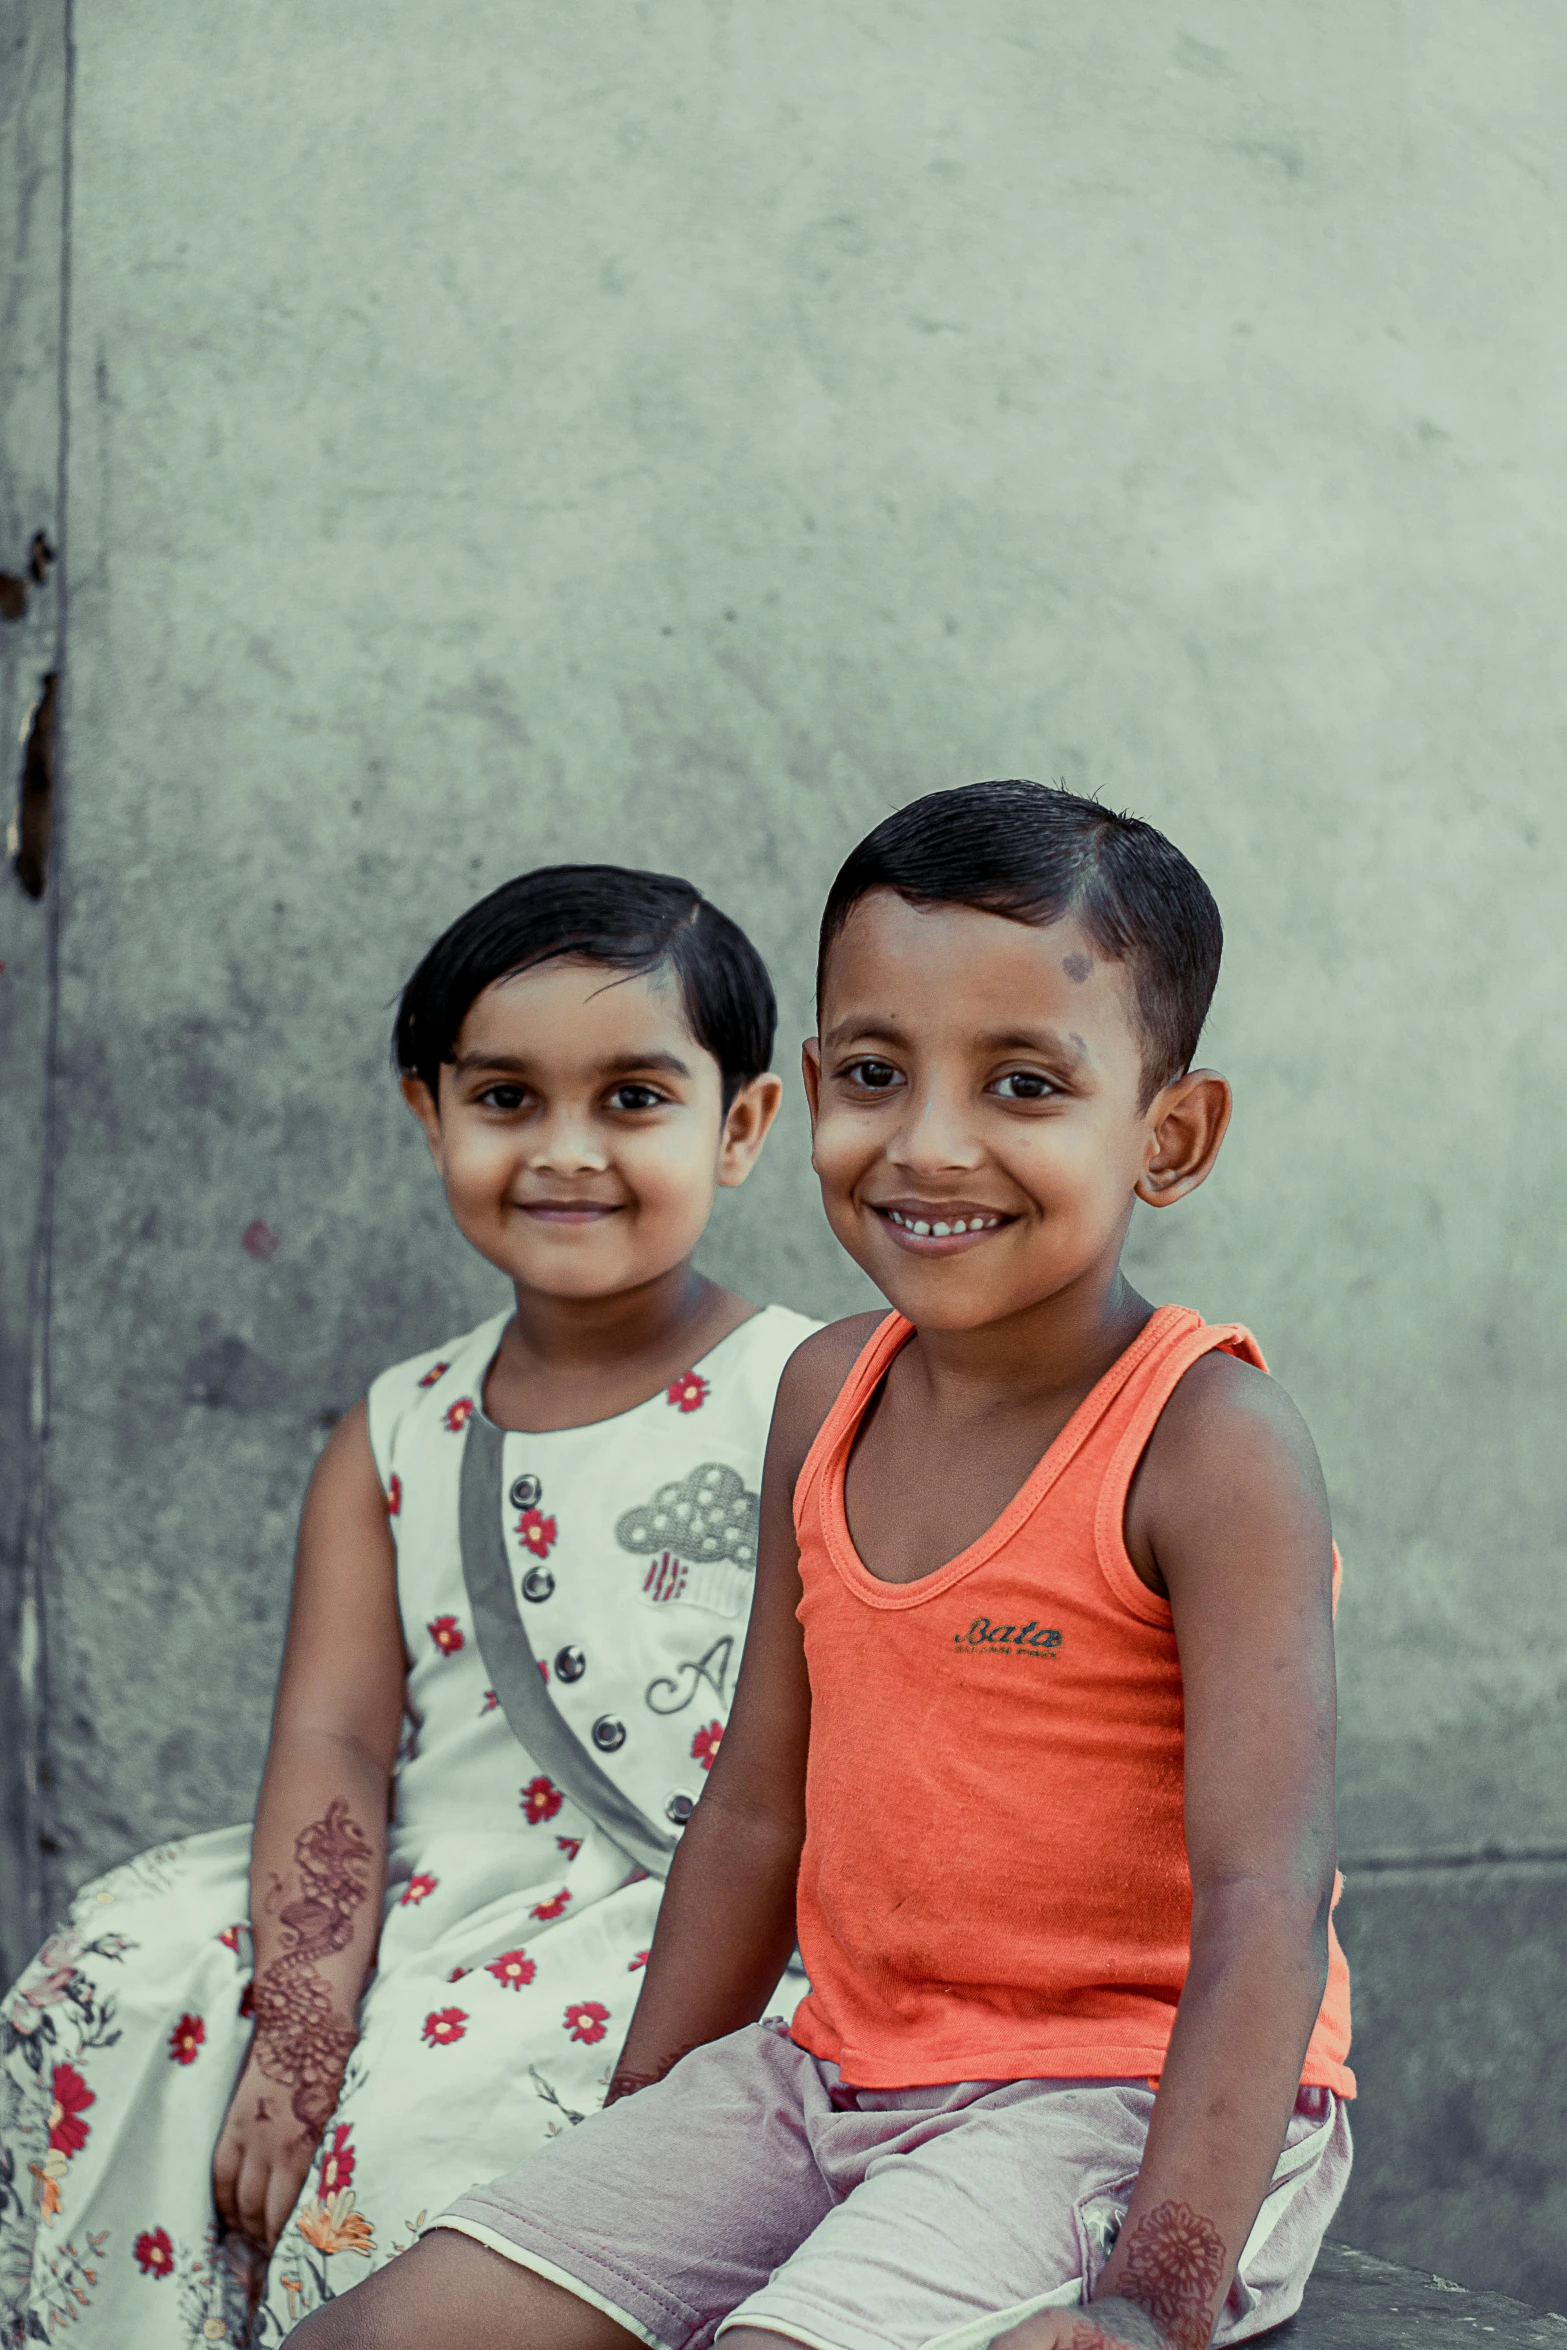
[{"x": 1356, "y": 2303}]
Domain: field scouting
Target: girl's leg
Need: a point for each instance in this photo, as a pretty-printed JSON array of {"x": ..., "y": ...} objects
[{"x": 449, "y": 2293}]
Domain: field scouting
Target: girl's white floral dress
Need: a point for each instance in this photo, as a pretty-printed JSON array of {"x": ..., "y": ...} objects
[{"x": 574, "y": 1604}]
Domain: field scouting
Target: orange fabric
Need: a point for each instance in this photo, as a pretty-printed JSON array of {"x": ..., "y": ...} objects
[{"x": 994, "y": 1883}]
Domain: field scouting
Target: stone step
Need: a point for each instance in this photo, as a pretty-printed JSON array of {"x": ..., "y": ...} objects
[{"x": 1356, "y": 2303}]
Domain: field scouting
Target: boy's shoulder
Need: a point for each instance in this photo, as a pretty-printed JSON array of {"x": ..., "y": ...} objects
[
  {"x": 1221, "y": 1401},
  {"x": 1229, "y": 1448},
  {"x": 832, "y": 1350},
  {"x": 813, "y": 1376}
]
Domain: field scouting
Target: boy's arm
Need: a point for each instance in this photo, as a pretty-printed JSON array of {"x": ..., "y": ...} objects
[
  {"x": 318, "y": 1862},
  {"x": 726, "y": 1926},
  {"x": 1229, "y": 1510}
]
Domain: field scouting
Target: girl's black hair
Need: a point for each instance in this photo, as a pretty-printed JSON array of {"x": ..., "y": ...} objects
[
  {"x": 609, "y": 914},
  {"x": 1033, "y": 852}
]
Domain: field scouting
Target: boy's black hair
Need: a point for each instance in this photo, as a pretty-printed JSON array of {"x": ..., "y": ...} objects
[
  {"x": 610, "y": 914},
  {"x": 1033, "y": 852}
]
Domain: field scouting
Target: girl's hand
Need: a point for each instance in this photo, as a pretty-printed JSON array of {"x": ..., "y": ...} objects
[
  {"x": 262, "y": 2161},
  {"x": 1110, "y": 2324}
]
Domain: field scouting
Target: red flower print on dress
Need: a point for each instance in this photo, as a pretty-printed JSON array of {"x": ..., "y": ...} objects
[
  {"x": 690, "y": 1393},
  {"x": 71, "y": 2098},
  {"x": 538, "y": 1532},
  {"x": 491, "y": 1701},
  {"x": 394, "y": 1496},
  {"x": 155, "y": 2252},
  {"x": 436, "y": 1371},
  {"x": 230, "y": 1937},
  {"x": 550, "y": 1909},
  {"x": 706, "y": 1744},
  {"x": 570, "y": 1845},
  {"x": 458, "y": 1414},
  {"x": 247, "y": 2000},
  {"x": 444, "y": 2025},
  {"x": 186, "y": 2037},
  {"x": 337, "y": 2162},
  {"x": 586, "y": 2021},
  {"x": 641, "y": 1959},
  {"x": 418, "y": 1888},
  {"x": 443, "y": 1631},
  {"x": 513, "y": 1968},
  {"x": 458, "y": 1973},
  {"x": 541, "y": 1800}
]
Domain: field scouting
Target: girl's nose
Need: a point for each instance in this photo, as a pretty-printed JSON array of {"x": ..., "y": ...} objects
[{"x": 569, "y": 1145}]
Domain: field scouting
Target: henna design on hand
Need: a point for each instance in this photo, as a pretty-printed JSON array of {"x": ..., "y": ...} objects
[
  {"x": 1172, "y": 2269},
  {"x": 302, "y": 2041},
  {"x": 1131, "y": 2328}
]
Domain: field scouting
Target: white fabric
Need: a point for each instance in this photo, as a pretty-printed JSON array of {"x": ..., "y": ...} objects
[{"x": 512, "y": 1935}]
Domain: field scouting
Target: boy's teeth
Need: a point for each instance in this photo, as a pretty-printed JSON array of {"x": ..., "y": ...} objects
[{"x": 942, "y": 1230}]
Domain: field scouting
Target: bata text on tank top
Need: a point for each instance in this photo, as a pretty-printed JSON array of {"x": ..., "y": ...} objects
[{"x": 994, "y": 1883}]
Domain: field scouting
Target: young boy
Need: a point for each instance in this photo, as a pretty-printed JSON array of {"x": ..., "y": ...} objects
[{"x": 1033, "y": 1743}]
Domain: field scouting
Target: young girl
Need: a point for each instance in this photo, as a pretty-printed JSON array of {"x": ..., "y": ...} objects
[{"x": 524, "y": 1574}]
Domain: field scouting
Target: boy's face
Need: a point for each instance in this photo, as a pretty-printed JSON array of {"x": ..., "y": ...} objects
[
  {"x": 986, "y": 1073},
  {"x": 580, "y": 1133}
]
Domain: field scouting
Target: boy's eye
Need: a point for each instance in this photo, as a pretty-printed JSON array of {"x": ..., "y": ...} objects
[
  {"x": 504, "y": 1097},
  {"x": 1024, "y": 1085},
  {"x": 875, "y": 1076},
  {"x": 636, "y": 1097}
]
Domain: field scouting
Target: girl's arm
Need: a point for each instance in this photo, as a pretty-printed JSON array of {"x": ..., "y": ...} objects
[
  {"x": 726, "y": 1926},
  {"x": 1229, "y": 1510},
  {"x": 318, "y": 1864}
]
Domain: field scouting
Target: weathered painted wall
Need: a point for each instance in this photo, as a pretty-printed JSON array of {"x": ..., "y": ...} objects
[
  {"x": 33, "y": 178},
  {"x": 678, "y": 435}
]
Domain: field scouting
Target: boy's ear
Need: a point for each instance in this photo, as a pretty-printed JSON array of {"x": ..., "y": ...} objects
[
  {"x": 1186, "y": 1124},
  {"x": 811, "y": 1071},
  {"x": 422, "y": 1103},
  {"x": 751, "y": 1113}
]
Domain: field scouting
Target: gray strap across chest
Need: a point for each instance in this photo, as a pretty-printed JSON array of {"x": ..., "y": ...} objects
[{"x": 513, "y": 1669}]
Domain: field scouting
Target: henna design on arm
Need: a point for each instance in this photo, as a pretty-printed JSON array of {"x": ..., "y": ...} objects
[
  {"x": 302, "y": 2040},
  {"x": 1173, "y": 2268},
  {"x": 627, "y": 2079}
]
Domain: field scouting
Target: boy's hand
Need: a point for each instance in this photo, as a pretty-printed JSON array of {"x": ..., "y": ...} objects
[
  {"x": 262, "y": 2161},
  {"x": 1110, "y": 2324}
]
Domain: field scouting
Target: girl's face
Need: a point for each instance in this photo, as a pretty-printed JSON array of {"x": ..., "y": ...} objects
[{"x": 580, "y": 1131}]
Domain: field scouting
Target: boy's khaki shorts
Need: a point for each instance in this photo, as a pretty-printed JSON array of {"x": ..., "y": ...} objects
[{"x": 752, "y": 2188}]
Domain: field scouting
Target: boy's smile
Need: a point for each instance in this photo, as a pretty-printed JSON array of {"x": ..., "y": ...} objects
[
  {"x": 978, "y": 1094},
  {"x": 931, "y": 1228}
]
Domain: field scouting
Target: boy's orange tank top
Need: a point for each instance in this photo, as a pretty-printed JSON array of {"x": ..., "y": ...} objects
[{"x": 994, "y": 1883}]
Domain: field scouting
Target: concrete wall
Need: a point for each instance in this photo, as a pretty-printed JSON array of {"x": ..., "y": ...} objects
[{"x": 509, "y": 432}]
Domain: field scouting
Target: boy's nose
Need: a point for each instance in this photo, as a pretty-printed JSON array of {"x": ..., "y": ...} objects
[{"x": 935, "y": 1136}]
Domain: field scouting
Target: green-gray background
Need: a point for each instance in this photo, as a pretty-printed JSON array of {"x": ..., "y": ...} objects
[{"x": 678, "y": 434}]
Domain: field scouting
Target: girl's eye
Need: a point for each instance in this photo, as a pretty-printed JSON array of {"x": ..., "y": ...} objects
[
  {"x": 1024, "y": 1085},
  {"x": 875, "y": 1076},
  {"x": 636, "y": 1097},
  {"x": 503, "y": 1097}
]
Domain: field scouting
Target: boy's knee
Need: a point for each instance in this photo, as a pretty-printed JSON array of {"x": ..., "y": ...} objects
[{"x": 332, "y": 2327}]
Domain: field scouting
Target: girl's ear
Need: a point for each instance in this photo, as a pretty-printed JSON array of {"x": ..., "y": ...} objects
[
  {"x": 751, "y": 1113},
  {"x": 811, "y": 1071},
  {"x": 422, "y": 1103}
]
